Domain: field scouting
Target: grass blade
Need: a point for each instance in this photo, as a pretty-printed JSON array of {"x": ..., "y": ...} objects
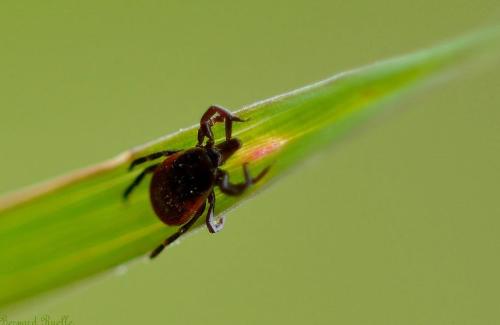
[{"x": 77, "y": 225}]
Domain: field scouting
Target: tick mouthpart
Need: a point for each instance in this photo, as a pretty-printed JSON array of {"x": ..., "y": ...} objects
[{"x": 228, "y": 148}]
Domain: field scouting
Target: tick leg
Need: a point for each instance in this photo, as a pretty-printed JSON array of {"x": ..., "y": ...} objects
[
  {"x": 236, "y": 189},
  {"x": 138, "y": 180},
  {"x": 208, "y": 120},
  {"x": 213, "y": 225},
  {"x": 152, "y": 156},
  {"x": 182, "y": 230}
]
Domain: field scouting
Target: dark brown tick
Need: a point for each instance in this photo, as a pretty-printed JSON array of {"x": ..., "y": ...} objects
[{"x": 183, "y": 183}]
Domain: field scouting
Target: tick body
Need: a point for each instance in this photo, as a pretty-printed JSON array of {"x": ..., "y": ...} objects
[{"x": 183, "y": 183}]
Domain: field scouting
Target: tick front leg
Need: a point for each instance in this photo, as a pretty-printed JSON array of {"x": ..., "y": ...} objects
[
  {"x": 152, "y": 156},
  {"x": 213, "y": 225},
  {"x": 208, "y": 120},
  {"x": 236, "y": 189},
  {"x": 182, "y": 230},
  {"x": 138, "y": 180}
]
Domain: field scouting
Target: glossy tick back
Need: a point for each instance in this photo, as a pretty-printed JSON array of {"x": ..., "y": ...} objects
[{"x": 183, "y": 183}]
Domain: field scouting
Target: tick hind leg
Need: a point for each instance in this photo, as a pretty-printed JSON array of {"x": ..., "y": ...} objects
[
  {"x": 138, "y": 180},
  {"x": 229, "y": 188},
  {"x": 216, "y": 225},
  {"x": 213, "y": 115},
  {"x": 213, "y": 225},
  {"x": 182, "y": 230}
]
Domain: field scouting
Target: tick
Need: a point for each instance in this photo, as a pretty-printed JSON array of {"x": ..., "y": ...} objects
[{"x": 183, "y": 183}]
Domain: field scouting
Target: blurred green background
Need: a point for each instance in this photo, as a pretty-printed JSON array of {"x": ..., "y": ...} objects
[{"x": 398, "y": 224}]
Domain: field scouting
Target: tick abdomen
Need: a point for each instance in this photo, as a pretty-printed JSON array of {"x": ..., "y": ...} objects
[{"x": 181, "y": 184}]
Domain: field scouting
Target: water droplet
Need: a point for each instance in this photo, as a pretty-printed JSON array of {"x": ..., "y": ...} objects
[{"x": 121, "y": 270}]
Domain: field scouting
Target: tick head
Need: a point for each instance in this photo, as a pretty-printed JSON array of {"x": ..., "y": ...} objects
[{"x": 227, "y": 148}]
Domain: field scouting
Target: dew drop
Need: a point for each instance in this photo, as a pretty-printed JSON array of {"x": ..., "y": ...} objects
[{"x": 121, "y": 270}]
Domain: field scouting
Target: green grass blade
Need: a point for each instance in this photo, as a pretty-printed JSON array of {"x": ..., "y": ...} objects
[{"x": 76, "y": 226}]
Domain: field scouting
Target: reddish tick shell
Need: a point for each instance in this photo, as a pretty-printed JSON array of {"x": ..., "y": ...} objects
[{"x": 180, "y": 185}]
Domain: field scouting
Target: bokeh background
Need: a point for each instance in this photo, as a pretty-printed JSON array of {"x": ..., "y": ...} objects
[{"x": 397, "y": 224}]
